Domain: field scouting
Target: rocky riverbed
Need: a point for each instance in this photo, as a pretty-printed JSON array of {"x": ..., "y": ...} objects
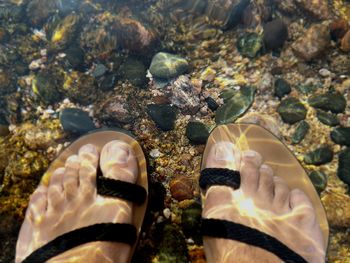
[{"x": 169, "y": 71}]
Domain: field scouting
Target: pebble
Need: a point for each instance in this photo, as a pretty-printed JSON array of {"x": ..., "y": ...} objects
[
  {"x": 341, "y": 135},
  {"x": 324, "y": 72},
  {"x": 300, "y": 132},
  {"x": 319, "y": 156},
  {"x": 338, "y": 29},
  {"x": 167, "y": 66},
  {"x": 76, "y": 121},
  {"x": 334, "y": 102},
  {"x": 327, "y": 118},
  {"x": 212, "y": 104},
  {"x": 197, "y": 132},
  {"x": 181, "y": 188},
  {"x": 319, "y": 180},
  {"x": 344, "y": 166},
  {"x": 155, "y": 153},
  {"x": 275, "y": 34},
  {"x": 99, "y": 70},
  {"x": 282, "y": 88},
  {"x": 250, "y": 44},
  {"x": 163, "y": 115},
  {"x": 167, "y": 213},
  {"x": 291, "y": 110}
]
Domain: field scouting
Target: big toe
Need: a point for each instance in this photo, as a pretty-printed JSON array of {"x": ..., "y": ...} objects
[
  {"x": 224, "y": 155},
  {"x": 118, "y": 161}
]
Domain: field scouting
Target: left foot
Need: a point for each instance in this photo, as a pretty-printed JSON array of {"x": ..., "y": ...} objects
[{"x": 70, "y": 201}]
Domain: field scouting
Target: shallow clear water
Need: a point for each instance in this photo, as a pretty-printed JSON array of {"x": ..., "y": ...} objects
[{"x": 169, "y": 71}]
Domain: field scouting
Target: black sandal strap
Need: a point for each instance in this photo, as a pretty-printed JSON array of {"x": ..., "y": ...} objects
[
  {"x": 219, "y": 176},
  {"x": 110, "y": 232},
  {"x": 234, "y": 231},
  {"x": 120, "y": 189}
]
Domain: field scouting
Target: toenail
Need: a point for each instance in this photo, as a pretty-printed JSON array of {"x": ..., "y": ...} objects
[
  {"x": 224, "y": 152},
  {"x": 250, "y": 154},
  {"x": 266, "y": 168},
  {"x": 88, "y": 148},
  {"x": 73, "y": 159}
]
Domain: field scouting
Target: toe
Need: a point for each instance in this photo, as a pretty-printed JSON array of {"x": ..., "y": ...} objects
[
  {"x": 55, "y": 197},
  {"x": 224, "y": 155},
  {"x": 251, "y": 162},
  {"x": 266, "y": 185},
  {"x": 88, "y": 158},
  {"x": 71, "y": 176},
  {"x": 217, "y": 200},
  {"x": 38, "y": 203},
  {"x": 302, "y": 208},
  {"x": 281, "y": 199},
  {"x": 118, "y": 161}
]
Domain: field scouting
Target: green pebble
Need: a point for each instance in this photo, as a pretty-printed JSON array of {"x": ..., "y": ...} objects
[
  {"x": 282, "y": 88},
  {"x": 319, "y": 156},
  {"x": 300, "y": 132},
  {"x": 344, "y": 166},
  {"x": 250, "y": 44},
  {"x": 291, "y": 110},
  {"x": 197, "y": 132},
  {"x": 327, "y": 118},
  {"x": 167, "y": 66},
  {"x": 341, "y": 135},
  {"x": 319, "y": 180},
  {"x": 334, "y": 102}
]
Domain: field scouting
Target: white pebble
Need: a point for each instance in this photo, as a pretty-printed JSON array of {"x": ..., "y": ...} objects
[
  {"x": 155, "y": 153},
  {"x": 324, "y": 72},
  {"x": 167, "y": 213}
]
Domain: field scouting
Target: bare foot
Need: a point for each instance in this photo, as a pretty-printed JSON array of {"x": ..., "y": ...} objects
[
  {"x": 70, "y": 201},
  {"x": 264, "y": 202}
]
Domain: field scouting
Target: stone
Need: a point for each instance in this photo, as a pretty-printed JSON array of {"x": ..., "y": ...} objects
[
  {"x": 266, "y": 82},
  {"x": 282, "y": 88},
  {"x": 76, "y": 121},
  {"x": 163, "y": 115},
  {"x": 334, "y": 102},
  {"x": 291, "y": 110},
  {"x": 344, "y": 166},
  {"x": 338, "y": 29},
  {"x": 300, "y": 132},
  {"x": 212, "y": 104},
  {"x": 226, "y": 13},
  {"x": 65, "y": 31},
  {"x": 167, "y": 66},
  {"x": 327, "y": 118},
  {"x": 181, "y": 188},
  {"x": 316, "y": 8},
  {"x": 341, "y": 135},
  {"x": 134, "y": 71},
  {"x": 275, "y": 34},
  {"x": 75, "y": 57},
  {"x": 307, "y": 88},
  {"x": 249, "y": 45},
  {"x": 313, "y": 43},
  {"x": 99, "y": 71},
  {"x": 4, "y": 35},
  {"x": 319, "y": 180},
  {"x": 6, "y": 82},
  {"x": 337, "y": 206},
  {"x": 191, "y": 222},
  {"x": 197, "y": 132},
  {"x": 172, "y": 247},
  {"x": 345, "y": 42},
  {"x": 46, "y": 85},
  {"x": 319, "y": 156},
  {"x": 236, "y": 103},
  {"x": 108, "y": 82}
]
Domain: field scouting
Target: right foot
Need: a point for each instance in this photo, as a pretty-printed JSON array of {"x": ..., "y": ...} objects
[
  {"x": 70, "y": 201},
  {"x": 264, "y": 202}
]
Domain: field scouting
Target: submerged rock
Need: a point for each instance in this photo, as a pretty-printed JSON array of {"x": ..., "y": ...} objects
[
  {"x": 313, "y": 43},
  {"x": 282, "y": 88},
  {"x": 236, "y": 103},
  {"x": 317, "y": 8},
  {"x": 327, "y": 118},
  {"x": 291, "y": 110},
  {"x": 275, "y": 34},
  {"x": 163, "y": 115},
  {"x": 76, "y": 121},
  {"x": 181, "y": 188},
  {"x": 319, "y": 156},
  {"x": 46, "y": 85},
  {"x": 319, "y": 180},
  {"x": 166, "y": 66},
  {"x": 134, "y": 71},
  {"x": 334, "y": 102},
  {"x": 341, "y": 135},
  {"x": 75, "y": 57},
  {"x": 197, "y": 132},
  {"x": 172, "y": 248},
  {"x": 226, "y": 13},
  {"x": 344, "y": 166},
  {"x": 345, "y": 42},
  {"x": 39, "y": 10},
  {"x": 65, "y": 32},
  {"x": 6, "y": 82},
  {"x": 300, "y": 132},
  {"x": 4, "y": 35},
  {"x": 249, "y": 44},
  {"x": 212, "y": 104},
  {"x": 191, "y": 218},
  {"x": 338, "y": 29}
]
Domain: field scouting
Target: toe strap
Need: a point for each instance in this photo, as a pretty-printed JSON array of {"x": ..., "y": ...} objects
[
  {"x": 250, "y": 236},
  {"x": 219, "y": 176},
  {"x": 120, "y": 189},
  {"x": 110, "y": 232}
]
